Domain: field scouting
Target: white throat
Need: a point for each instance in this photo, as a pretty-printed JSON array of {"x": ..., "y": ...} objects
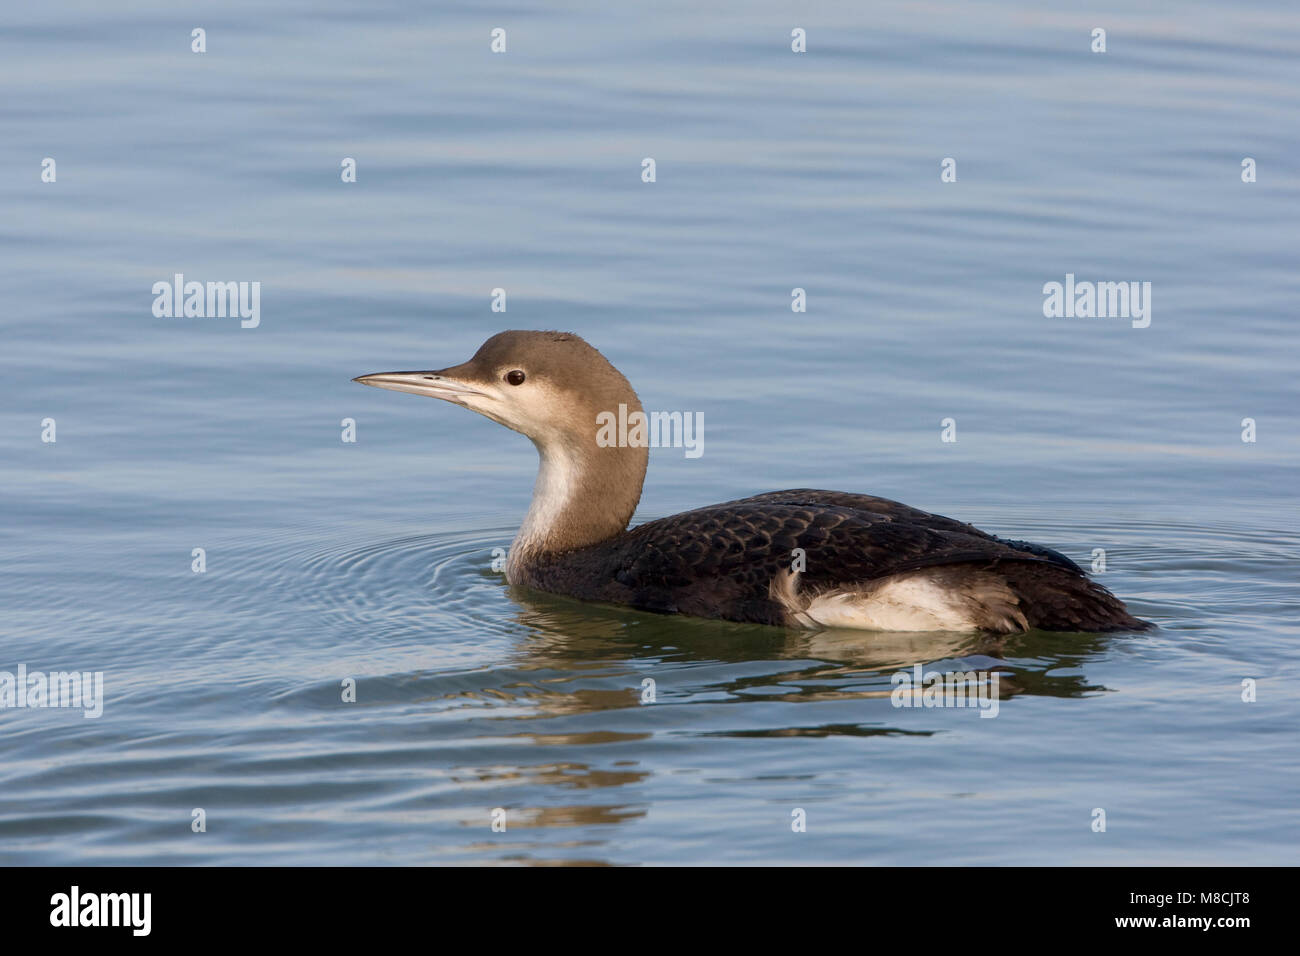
[{"x": 558, "y": 479}]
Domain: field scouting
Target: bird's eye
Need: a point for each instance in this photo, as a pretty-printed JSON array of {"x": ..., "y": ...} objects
[{"x": 515, "y": 377}]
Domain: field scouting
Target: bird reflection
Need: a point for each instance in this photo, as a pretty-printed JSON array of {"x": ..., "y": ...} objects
[
  {"x": 568, "y": 635},
  {"x": 592, "y": 662}
]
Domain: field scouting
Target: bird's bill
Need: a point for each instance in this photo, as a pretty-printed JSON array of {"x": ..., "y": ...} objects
[{"x": 434, "y": 384}]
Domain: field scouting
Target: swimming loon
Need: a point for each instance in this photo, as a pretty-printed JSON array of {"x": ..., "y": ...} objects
[{"x": 866, "y": 562}]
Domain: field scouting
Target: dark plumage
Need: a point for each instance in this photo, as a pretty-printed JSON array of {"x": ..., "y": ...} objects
[{"x": 720, "y": 561}]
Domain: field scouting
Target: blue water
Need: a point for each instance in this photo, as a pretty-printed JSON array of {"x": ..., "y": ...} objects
[{"x": 372, "y": 560}]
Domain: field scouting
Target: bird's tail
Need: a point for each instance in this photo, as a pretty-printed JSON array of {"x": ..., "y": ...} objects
[{"x": 1056, "y": 599}]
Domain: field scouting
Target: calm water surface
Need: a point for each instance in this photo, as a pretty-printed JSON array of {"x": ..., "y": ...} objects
[{"x": 373, "y": 560}]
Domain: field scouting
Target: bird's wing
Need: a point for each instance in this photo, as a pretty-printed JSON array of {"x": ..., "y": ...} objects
[
  {"x": 732, "y": 552},
  {"x": 891, "y": 510},
  {"x": 899, "y": 512}
]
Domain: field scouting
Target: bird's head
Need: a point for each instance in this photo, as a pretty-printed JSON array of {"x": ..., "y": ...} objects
[{"x": 551, "y": 386}]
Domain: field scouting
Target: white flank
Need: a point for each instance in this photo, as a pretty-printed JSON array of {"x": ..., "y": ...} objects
[{"x": 912, "y": 603}]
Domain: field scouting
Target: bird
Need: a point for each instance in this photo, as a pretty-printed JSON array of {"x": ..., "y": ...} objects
[{"x": 801, "y": 558}]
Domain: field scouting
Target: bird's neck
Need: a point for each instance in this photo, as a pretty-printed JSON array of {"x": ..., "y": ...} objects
[{"x": 584, "y": 494}]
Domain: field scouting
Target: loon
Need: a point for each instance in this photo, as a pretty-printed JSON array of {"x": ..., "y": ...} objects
[{"x": 865, "y": 562}]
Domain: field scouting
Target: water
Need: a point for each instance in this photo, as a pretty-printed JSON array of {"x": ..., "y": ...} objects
[{"x": 372, "y": 560}]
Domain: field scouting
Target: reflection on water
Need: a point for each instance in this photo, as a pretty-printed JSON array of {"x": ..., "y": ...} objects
[{"x": 786, "y": 664}]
